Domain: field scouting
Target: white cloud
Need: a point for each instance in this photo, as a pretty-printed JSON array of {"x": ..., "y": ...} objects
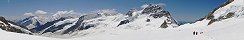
[
  {"x": 29, "y": 14},
  {"x": 40, "y": 12}
]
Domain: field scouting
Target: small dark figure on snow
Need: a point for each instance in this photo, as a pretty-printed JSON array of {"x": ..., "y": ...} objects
[
  {"x": 195, "y": 33},
  {"x": 201, "y": 32}
]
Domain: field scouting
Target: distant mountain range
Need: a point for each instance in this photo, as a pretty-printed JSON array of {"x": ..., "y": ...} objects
[{"x": 151, "y": 15}]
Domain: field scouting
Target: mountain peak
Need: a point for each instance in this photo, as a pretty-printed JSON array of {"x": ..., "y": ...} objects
[
  {"x": 151, "y": 8},
  {"x": 151, "y": 13}
]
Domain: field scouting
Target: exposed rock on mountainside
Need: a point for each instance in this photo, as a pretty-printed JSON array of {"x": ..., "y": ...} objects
[
  {"x": 213, "y": 18},
  {"x": 5, "y": 25},
  {"x": 210, "y": 14},
  {"x": 164, "y": 25}
]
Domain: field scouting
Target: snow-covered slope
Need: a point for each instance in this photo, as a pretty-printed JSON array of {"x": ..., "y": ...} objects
[
  {"x": 229, "y": 29},
  {"x": 232, "y": 8},
  {"x": 16, "y": 36}
]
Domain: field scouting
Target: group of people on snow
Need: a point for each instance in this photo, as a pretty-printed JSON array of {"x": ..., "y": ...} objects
[{"x": 197, "y": 33}]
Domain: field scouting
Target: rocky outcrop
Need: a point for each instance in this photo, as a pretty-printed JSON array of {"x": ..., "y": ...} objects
[
  {"x": 4, "y": 21},
  {"x": 210, "y": 15},
  {"x": 5, "y": 25},
  {"x": 164, "y": 25},
  {"x": 152, "y": 8},
  {"x": 229, "y": 15},
  {"x": 124, "y": 22}
]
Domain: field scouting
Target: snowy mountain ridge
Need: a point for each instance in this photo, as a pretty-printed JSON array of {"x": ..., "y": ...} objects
[
  {"x": 151, "y": 15},
  {"x": 230, "y": 9}
]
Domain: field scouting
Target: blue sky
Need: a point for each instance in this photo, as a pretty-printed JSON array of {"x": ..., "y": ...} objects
[{"x": 181, "y": 10}]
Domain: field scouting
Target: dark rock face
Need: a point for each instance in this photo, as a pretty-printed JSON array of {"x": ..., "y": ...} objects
[
  {"x": 124, "y": 22},
  {"x": 229, "y": 15},
  {"x": 164, "y": 25},
  {"x": 152, "y": 9},
  {"x": 213, "y": 20},
  {"x": 7, "y": 26},
  {"x": 4, "y": 20},
  {"x": 76, "y": 26},
  {"x": 79, "y": 25},
  {"x": 155, "y": 11},
  {"x": 161, "y": 14},
  {"x": 210, "y": 15}
]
